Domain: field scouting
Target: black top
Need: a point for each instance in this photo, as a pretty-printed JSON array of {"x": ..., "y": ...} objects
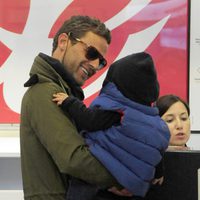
[{"x": 90, "y": 119}]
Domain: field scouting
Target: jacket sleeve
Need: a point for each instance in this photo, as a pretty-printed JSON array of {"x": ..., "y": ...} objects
[
  {"x": 58, "y": 135},
  {"x": 90, "y": 119}
]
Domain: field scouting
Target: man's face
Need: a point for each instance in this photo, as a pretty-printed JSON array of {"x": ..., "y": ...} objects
[{"x": 75, "y": 60}]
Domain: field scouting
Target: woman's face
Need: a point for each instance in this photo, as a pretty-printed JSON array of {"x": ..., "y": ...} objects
[{"x": 178, "y": 122}]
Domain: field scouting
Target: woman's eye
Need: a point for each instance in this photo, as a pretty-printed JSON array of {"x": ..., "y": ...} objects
[
  {"x": 169, "y": 120},
  {"x": 184, "y": 118}
]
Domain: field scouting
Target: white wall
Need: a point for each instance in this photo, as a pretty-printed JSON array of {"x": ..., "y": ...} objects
[
  {"x": 11, "y": 195},
  {"x": 10, "y": 173},
  {"x": 194, "y": 66},
  {"x": 194, "y": 141}
]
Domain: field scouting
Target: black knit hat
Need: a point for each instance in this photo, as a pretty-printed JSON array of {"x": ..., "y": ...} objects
[{"x": 135, "y": 76}]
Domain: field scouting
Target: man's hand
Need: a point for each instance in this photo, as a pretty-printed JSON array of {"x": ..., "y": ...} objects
[
  {"x": 59, "y": 97},
  {"x": 123, "y": 192}
]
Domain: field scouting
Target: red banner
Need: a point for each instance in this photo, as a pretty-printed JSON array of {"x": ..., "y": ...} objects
[{"x": 159, "y": 27}]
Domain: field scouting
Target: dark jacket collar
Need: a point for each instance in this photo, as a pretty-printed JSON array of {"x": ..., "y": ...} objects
[{"x": 76, "y": 90}]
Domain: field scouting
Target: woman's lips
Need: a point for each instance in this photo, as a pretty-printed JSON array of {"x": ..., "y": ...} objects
[{"x": 180, "y": 135}]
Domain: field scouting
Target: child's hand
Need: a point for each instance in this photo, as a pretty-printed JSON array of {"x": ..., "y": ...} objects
[
  {"x": 59, "y": 97},
  {"x": 158, "y": 181}
]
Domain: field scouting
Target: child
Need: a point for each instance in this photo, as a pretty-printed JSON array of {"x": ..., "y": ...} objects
[{"x": 131, "y": 139}]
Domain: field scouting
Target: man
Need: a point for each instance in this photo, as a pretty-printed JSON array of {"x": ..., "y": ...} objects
[{"x": 51, "y": 147}]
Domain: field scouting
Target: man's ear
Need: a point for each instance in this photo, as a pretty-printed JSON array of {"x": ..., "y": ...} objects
[{"x": 63, "y": 41}]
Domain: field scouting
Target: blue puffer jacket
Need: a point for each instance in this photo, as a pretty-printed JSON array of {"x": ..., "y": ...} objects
[{"x": 131, "y": 150}]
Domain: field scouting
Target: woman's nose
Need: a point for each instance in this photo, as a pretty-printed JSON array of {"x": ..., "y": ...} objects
[{"x": 179, "y": 123}]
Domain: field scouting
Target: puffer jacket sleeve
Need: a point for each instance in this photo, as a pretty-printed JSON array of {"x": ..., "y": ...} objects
[{"x": 59, "y": 136}]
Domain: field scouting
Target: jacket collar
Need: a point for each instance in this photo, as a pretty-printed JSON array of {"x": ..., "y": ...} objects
[
  {"x": 111, "y": 90},
  {"x": 76, "y": 90}
]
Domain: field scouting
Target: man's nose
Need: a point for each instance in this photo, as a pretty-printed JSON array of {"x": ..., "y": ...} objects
[{"x": 94, "y": 64}]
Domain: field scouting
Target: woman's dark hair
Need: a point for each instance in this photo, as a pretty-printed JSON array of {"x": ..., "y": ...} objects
[
  {"x": 79, "y": 26},
  {"x": 166, "y": 101}
]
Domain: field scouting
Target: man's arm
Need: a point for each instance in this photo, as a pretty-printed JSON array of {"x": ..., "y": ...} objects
[{"x": 59, "y": 136}]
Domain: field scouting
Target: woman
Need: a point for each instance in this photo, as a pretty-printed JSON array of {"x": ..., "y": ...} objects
[{"x": 175, "y": 112}]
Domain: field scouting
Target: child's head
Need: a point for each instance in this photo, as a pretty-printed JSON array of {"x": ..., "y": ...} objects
[{"x": 135, "y": 76}]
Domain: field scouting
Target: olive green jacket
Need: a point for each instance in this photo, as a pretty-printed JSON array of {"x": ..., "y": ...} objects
[{"x": 51, "y": 147}]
